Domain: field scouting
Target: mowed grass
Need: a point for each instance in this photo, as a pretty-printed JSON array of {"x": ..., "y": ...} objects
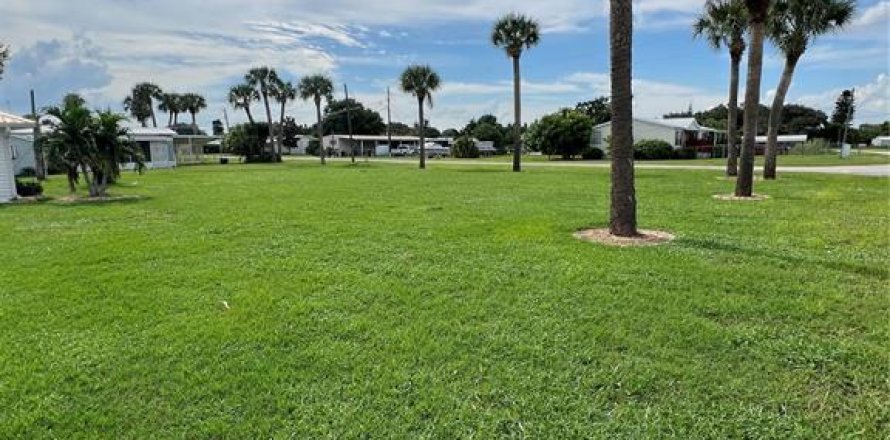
[{"x": 380, "y": 301}]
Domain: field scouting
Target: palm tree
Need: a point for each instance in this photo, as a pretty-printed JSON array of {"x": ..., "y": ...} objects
[
  {"x": 513, "y": 33},
  {"x": 757, "y": 13},
  {"x": 170, "y": 104},
  {"x": 316, "y": 87},
  {"x": 193, "y": 103},
  {"x": 793, "y": 25},
  {"x": 69, "y": 140},
  {"x": 283, "y": 92},
  {"x": 147, "y": 93},
  {"x": 262, "y": 78},
  {"x": 724, "y": 23},
  {"x": 421, "y": 81},
  {"x": 623, "y": 211},
  {"x": 137, "y": 108},
  {"x": 241, "y": 97}
]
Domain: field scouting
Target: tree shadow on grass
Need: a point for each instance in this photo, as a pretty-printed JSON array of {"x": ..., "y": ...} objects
[{"x": 858, "y": 269}]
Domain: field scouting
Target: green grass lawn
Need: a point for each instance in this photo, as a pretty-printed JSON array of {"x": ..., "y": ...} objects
[{"x": 384, "y": 302}]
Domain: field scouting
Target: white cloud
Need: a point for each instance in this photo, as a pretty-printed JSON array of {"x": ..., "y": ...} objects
[{"x": 872, "y": 100}]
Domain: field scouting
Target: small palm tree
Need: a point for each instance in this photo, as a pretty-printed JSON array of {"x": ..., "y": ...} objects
[
  {"x": 514, "y": 33},
  {"x": 421, "y": 81},
  {"x": 623, "y": 210},
  {"x": 137, "y": 108},
  {"x": 723, "y": 24},
  {"x": 170, "y": 104},
  {"x": 283, "y": 92},
  {"x": 757, "y": 14},
  {"x": 793, "y": 25},
  {"x": 316, "y": 88},
  {"x": 193, "y": 103},
  {"x": 262, "y": 78},
  {"x": 241, "y": 97}
]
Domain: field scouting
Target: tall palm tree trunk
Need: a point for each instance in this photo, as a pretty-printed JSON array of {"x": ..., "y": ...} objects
[
  {"x": 194, "y": 122},
  {"x": 281, "y": 126},
  {"x": 744, "y": 186},
  {"x": 732, "y": 147},
  {"x": 775, "y": 118},
  {"x": 422, "y": 133},
  {"x": 269, "y": 119},
  {"x": 249, "y": 114},
  {"x": 320, "y": 130},
  {"x": 517, "y": 116},
  {"x": 623, "y": 215},
  {"x": 151, "y": 107}
]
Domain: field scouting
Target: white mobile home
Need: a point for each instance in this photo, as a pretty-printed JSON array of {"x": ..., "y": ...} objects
[
  {"x": 343, "y": 145},
  {"x": 679, "y": 132},
  {"x": 881, "y": 142},
  {"x": 785, "y": 142},
  {"x": 156, "y": 144},
  {"x": 9, "y": 122}
]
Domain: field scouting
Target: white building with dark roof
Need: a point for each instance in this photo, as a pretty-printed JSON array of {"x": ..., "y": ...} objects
[{"x": 682, "y": 133}]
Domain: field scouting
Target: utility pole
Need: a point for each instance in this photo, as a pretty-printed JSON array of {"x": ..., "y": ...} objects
[
  {"x": 39, "y": 163},
  {"x": 349, "y": 125},
  {"x": 388, "y": 122},
  {"x": 226, "y": 118}
]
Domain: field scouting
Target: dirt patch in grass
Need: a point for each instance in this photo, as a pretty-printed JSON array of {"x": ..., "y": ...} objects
[
  {"x": 76, "y": 200},
  {"x": 735, "y": 198},
  {"x": 645, "y": 238}
]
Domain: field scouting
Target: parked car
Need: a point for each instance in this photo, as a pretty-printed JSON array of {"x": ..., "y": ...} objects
[{"x": 402, "y": 150}]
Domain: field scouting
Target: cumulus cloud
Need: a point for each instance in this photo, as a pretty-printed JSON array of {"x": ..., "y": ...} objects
[{"x": 872, "y": 100}]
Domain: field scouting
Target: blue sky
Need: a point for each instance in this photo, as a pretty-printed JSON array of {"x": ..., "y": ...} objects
[{"x": 100, "y": 48}]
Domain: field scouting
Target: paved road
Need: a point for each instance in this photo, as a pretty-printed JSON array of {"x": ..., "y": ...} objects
[{"x": 858, "y": 170}]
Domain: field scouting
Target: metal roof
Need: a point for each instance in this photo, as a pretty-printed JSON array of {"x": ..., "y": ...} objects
[
  {"x": 151, "y": 131},
  {"x": 12, "y": 121}
]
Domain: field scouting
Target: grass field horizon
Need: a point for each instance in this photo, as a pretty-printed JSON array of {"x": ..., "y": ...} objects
[{"x": 296, "y": 301}]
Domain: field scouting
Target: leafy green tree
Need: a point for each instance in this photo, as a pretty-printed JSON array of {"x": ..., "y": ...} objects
[
  {"x": 401, "y": 129},
  {"x": 364, "y": 120},
  {"x": 193, "y": 103},
  {"x": 793, "y": 25},
  {"x": 249, "y": 141},
  {"x": 598, "y": 110},
  {"x": 565, "y": 133},
  {"x": 92, "y": 144},
  {"x": 844, "y": 108},
  {"x": 799, "y": 119},
  {"x": 218, "y": 129},
  {"x": 421, "y": 81},
  {"x": 515, "y": 33},
  {"x": 487, "y": 131},
  {"x": 450, "y": 132},
  {"x": 316, "y": 88},
  {"x": 242, "y": 96},
  {"x": 723, "y": 23},
  {"x": 144, "y": 95},
  {"x": 623, "y": 200},
  {"x": 464, "y": 148}
]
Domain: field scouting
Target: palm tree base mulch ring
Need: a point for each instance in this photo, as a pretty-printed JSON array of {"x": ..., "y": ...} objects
[
  {"x": 645, "y": 238},
  {"x": 735, "y": 198},
  {"x": 76, "y": 200}
]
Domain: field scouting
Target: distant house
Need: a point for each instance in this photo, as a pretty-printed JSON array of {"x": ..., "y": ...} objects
[
  {"x": 486, "y": 148},
  {"x": 157, "y": 146},
  {"x": 372, "y": 145},
  {"x": 9, "y": 122},
  {"x": 682, "y": 133},
  {"x": 881, "y": 142},
  {"x": 784, "y": 142}
]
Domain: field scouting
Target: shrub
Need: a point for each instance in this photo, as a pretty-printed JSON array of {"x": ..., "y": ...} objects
[
  {"x": 464, "y": 148},
  {"x": 28, "y": 188},
  {"x": 653, "y": 149},
  {"x": 719, "y": 151},
  {"x": 685, "y": 154},
  {"x": 250, "y": 141},
  {"x": 27, "y": 172},
  {"x": 565, "y": 133},
  {"x": 593, "y": 153},
  {"x": 813, "y": 146}
]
